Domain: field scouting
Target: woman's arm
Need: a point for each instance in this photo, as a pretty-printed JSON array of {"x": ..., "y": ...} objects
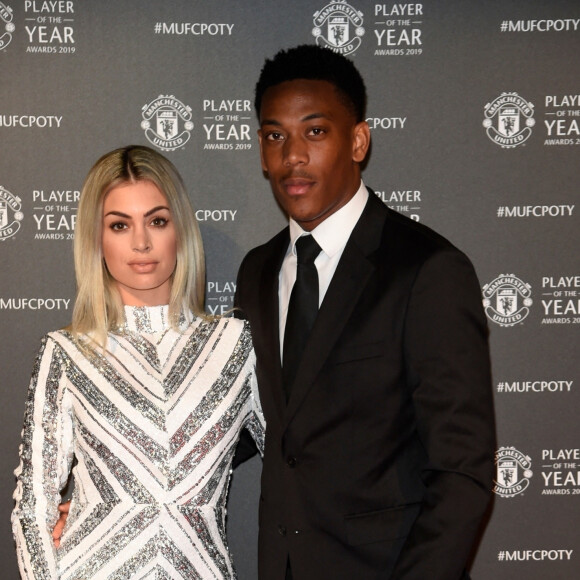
[
  {"x": 256, "y": 424},
  {"x": 45, "y": 460}
]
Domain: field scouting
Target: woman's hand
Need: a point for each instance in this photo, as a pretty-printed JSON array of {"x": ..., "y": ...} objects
[{"x": 59, "y": 527}]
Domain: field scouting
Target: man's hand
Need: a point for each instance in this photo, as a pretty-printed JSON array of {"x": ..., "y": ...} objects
[{"x": 58, "y": 528}]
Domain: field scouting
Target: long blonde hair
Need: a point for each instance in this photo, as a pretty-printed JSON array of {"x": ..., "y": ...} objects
[{"x": 98, "y": 308}]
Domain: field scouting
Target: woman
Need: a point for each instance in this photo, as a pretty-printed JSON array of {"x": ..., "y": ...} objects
[{"x": 146, "y": 393}]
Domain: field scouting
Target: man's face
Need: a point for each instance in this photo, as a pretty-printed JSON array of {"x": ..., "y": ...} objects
[{"x": 311, "y": 147}]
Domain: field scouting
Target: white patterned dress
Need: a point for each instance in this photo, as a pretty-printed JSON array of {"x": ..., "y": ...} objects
[{"x": 153, "y": 426}]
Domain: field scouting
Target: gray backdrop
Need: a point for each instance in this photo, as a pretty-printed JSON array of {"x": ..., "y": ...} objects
[{"x": 475, "y": 116}]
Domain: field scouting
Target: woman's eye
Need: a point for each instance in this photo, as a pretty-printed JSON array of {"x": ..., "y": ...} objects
[
  {"x": 159, "y": 222},
  {"x": 117, "y": 226}
]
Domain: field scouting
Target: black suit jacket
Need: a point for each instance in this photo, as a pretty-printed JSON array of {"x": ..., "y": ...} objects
[{"x": 381, "y": 463}]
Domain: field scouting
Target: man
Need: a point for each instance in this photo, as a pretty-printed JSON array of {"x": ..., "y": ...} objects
[{"x": 379, "y": 450}]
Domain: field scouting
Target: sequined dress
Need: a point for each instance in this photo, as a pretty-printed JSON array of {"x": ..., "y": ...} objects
[{"x": 153, "y": 426}]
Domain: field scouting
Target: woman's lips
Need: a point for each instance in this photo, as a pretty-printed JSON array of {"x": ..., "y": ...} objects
[{"x": 143, "y": 267}]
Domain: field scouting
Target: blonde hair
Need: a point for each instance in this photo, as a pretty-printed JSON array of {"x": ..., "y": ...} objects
[{"x": 98, "y": 308}]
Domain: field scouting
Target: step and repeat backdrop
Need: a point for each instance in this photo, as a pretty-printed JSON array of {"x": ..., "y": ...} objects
[{"x": 474, "y": 109}]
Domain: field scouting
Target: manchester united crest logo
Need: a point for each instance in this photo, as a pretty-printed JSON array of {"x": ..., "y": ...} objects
[
  {"x": 509, "y": 120},
  {"x": 338, "y": 26}
]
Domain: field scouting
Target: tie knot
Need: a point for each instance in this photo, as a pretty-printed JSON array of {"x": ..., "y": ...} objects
[{"x": 307, "y": 249}]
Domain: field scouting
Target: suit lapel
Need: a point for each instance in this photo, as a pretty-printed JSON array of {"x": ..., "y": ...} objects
[
  {"x": 269, "y": 313},
  {"x": 354, "y": 269}
]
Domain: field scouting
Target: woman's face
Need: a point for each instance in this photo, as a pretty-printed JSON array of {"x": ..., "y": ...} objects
[{"x": 139, "y": 243}]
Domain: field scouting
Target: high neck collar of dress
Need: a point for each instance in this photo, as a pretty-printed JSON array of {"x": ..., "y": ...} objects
[{"x": 147, "y": 319}]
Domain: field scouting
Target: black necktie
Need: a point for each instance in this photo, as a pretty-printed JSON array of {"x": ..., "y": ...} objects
[{"x": 302, "y": 309}]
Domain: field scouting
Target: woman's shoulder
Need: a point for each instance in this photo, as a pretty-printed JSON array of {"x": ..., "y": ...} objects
[
  {"x": 55, "y": 345},
  {"x": 228, "y": 323},
  {"x": 64, "y": 340},
  {"x": 236, "y": 329},
  {"x": 59, "y": 336},
  {"x": 240, "y": 326}
]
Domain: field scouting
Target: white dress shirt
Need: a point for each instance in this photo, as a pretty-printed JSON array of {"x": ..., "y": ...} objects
[{"x": 331, "y": 235}]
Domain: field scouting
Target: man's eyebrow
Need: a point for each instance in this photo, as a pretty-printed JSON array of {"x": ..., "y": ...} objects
[
  {"x": 314, "y": 116},
  {"x": 309, "y": 117}
]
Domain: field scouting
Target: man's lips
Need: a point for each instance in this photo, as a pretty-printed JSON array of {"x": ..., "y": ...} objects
[{"x": 297, "y": 185}]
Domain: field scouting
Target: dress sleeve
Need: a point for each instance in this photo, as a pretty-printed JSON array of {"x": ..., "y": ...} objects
[
  {"x": 45, "y": 461},
  {"x": 256, "y": 424}
]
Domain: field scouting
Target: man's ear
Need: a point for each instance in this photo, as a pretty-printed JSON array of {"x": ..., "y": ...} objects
[
  {"x": 261, "y": 154},
  {"x": 361, "y": 141}
]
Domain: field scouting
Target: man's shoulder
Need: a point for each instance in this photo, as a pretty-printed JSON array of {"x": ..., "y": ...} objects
[
  {"x": 259, "y": 264},
  {"x": 416, "y": 232},
  {"x": 267, "y": 249},
  {"x": 403, "y": 233}
]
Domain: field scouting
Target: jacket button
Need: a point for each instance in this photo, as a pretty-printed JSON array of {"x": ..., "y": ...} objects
[
  {"x": 291, "y": 461},
  {"x": 282, "y": 530}
]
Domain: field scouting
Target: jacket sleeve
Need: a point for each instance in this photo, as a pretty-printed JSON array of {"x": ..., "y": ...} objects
[
  {"x": 449, "y": 373},
  {"x": 246, "y": 447},
  {"x": 45, "y": 461}
]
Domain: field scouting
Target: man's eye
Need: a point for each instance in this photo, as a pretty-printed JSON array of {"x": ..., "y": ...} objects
[{"x": 274, "y": 136}]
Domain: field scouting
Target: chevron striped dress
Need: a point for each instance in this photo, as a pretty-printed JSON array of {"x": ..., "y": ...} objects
[{"x": 152, "y": 425}]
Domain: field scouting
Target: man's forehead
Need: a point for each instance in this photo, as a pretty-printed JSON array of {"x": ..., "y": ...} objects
[
  {"x": 314, "y": 86},
  {"x": 308, "y": 99}
]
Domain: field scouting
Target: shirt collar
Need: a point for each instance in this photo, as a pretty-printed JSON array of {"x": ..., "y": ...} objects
[
  {"x": 151, "y": 319},
  {"x": 333, "y": 233}
]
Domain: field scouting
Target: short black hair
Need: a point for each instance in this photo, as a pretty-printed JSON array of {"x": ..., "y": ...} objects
[{"x": 312, "y": 62}]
